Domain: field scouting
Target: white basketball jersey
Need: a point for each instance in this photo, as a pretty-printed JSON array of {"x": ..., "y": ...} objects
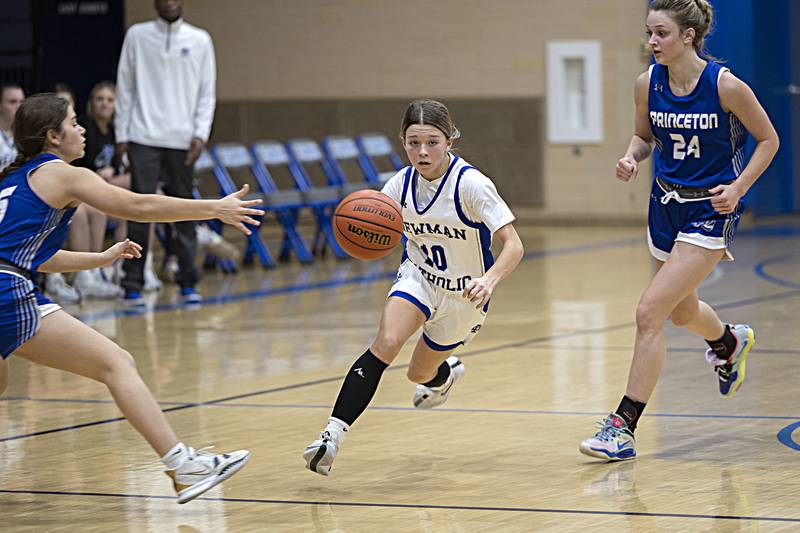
[{"x": 447, "y": 247}]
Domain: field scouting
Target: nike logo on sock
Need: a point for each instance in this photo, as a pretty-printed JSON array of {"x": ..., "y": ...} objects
[{"x": 359, "y": 371}]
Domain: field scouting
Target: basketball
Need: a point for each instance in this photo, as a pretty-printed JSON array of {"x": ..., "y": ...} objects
[{"x": 367, "y": 224}]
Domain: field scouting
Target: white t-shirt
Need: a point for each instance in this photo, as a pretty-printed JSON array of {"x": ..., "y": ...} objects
[
  {"x": 8, "y": 150},
  {"x": 166, "y": 81}
]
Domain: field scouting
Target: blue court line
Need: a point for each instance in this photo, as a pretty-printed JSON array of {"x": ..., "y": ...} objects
[
  {"x": 437, "y": 410},
  {"x": 327, "y": 284},
  {"x": 414, "y": 506},
  {"x": 772, "y": 231},
  {"x": 785, "y": 436},
  {"x": 518, "y": 344},
  {"x": 760, "y": 270},
  {"x": 171, "y": 409},
  {"x": 759, "y": 351},
  {"x": 69, "y": 400},
  {"x": 514, "y": 411},
  {"x": 788, "y": 295}
]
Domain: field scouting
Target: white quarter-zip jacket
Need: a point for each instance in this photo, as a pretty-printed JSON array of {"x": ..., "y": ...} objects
[{"x": 165, "y": 85}]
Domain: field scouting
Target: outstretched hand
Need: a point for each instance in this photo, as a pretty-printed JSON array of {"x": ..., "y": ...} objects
[
  {"x": 126, "y": 249},
  {"x": 234, "y": 211}
]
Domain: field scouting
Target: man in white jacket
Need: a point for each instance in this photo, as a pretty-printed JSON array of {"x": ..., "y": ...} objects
[{"x": 164, "y": 110}]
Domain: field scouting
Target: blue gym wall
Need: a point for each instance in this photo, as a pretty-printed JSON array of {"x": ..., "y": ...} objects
[{"x": 754, "y": 38}]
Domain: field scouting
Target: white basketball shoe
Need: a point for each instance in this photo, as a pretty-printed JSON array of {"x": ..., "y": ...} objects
[
  {"x": 614, "y": 441},
  {"x": 429, "y": 397},
  {"x": 203, "y": 470},
  {"x": 319, "y": 455}
]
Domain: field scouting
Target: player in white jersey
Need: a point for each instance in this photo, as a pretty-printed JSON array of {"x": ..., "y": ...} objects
[
  {"x": 694, "y": 206},
  {"x": 39, "y": 193},
  {"x": 450, "y": 213}
]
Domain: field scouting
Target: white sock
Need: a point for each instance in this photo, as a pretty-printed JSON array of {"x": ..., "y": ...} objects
[
  {"x": 338, "y": 429},
  {"x": 176, "y": 456}
]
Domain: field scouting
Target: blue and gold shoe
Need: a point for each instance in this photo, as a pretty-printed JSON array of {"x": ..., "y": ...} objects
[
  {"x": 731, "y": 372},
  {"x": 614, "y": 441}
]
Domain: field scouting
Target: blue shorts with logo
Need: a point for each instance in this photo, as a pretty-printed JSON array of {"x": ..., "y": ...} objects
[
  {"x": 22, "y": 307},
  {"x": 671, "y": 218}
]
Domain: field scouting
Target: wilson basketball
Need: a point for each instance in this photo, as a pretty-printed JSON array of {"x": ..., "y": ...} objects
[{"x": 367, "y": 224}]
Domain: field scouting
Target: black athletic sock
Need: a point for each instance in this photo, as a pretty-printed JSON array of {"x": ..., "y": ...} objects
[
  {"x": 358, "y": 388},
  {"x": 630, "y": 411},
  {"x": 725, "y": 345},
  {"x": 442, "y": 373}
]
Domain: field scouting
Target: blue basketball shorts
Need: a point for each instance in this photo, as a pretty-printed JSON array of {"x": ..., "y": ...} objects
[
  {"x": 22, "y": 307},
  {"x": 671, "y": 219},
  {"x": 451, "y": 320}
]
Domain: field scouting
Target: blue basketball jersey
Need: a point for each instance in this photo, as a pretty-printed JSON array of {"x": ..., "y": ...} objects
[
  {"x": 699, "y": 144},
  {"x": 31, "y": 231}
]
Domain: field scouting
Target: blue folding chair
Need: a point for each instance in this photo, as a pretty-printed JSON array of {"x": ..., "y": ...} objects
[
  {"x": 204, "y": 168},
  {"x": 320, "y": 185},
  {"x": 352, "y": 168},
  {"x": 379, "y": 155},
  {"x": 285, "y": 202},
  {"x": 233, "y": 158}
]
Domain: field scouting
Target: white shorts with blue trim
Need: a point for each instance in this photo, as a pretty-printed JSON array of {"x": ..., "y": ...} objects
[{"x": 452, "y": 320}]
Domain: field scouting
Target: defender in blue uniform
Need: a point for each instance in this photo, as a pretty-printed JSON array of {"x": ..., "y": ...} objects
[
  {"x": 697, "y": 114},
  {"x": 39, "y": 193}
]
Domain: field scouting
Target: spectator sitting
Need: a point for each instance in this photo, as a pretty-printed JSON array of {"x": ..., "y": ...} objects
[
  {"x": 86, "y": 234},
  {"x": 11, "y": 95},
  {"x": 99, "y": 156}
]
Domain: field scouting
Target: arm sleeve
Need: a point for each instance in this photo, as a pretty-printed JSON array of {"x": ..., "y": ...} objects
[
  {"x": 207, "y": 96},
  {"x": 125, "y": 87},
  {"x": 482, "y": 203}
]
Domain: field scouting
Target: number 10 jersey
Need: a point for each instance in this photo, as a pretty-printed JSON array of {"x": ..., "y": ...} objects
[{"x": 448, "y": 223}]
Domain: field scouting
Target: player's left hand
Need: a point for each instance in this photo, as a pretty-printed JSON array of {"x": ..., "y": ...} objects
[
  {"x": 726, "y": 198},
  {"x": 126, "y": 249},
  {"x": 478, "y": 291}
]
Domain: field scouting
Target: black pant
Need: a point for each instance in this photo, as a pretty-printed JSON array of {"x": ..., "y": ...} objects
[{"x": 149, "y": 166}]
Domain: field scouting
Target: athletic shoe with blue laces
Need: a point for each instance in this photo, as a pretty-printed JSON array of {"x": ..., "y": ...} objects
[
  {"x": 614, "y": 441},
  {"x": 731, "y": 372}
]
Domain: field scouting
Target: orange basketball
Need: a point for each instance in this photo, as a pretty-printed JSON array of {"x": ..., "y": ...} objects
[{"x": 367, "y": 224}]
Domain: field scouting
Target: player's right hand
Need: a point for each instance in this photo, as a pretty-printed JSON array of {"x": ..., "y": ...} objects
[
  {"x": 627, "y": 168},
  {"x": 234, "y": 211}
]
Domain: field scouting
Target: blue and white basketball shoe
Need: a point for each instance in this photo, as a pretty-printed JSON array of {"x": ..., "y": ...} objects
[
  {"x": 731, "y": 372},
  {"x": 614, "y": 441}
]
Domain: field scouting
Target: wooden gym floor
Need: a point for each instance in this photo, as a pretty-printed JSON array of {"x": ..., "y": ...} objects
[{"x": 259, "y": 364}]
